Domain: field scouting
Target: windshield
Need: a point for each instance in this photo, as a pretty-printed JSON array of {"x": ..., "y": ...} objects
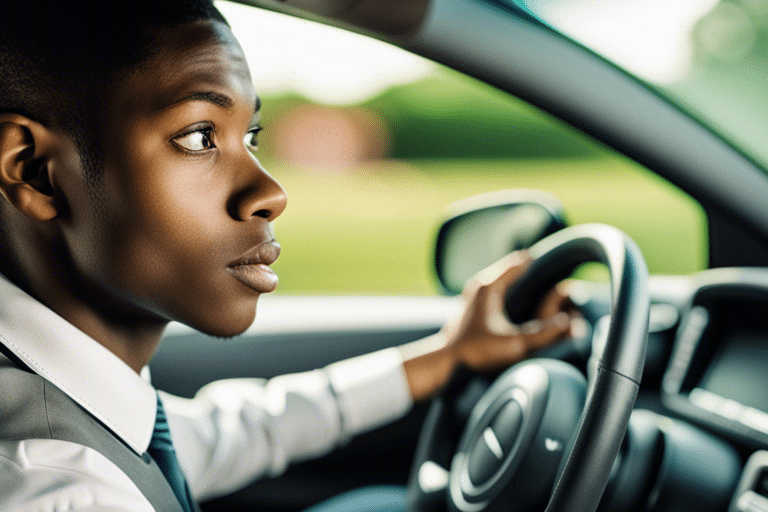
[{"x": 709, "y": 56}]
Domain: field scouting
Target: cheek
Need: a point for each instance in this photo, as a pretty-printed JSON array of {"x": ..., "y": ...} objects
[
  {"x": 164, "y": 241},
  {"x": 167, "y": 231}
]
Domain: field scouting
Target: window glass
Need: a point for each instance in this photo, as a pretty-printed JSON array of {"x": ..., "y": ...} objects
[
  {"x": 372, "y": 144},
  {"x": 708, "y": 55}
]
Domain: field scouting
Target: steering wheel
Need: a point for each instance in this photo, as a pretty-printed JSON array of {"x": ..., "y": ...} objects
[{"x": 538, "y": 425}]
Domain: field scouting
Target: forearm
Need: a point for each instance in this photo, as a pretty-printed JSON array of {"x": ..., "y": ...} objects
[
  {"x": 428, "y": 365},
  {"x": 237, "y": 430}
]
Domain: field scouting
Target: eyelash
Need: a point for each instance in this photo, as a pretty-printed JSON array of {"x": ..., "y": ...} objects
[
  {"x": 207, "y": 141},
  {"x": 253, "y": 132}
]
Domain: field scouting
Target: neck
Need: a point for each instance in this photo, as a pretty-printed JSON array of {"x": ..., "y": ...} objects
[
  {"x": 132, "y": 336},
  {"x": 134, "y": 341}
]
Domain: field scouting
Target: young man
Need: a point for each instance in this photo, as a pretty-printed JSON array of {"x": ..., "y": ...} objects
[{"x": 131, "y": 198}]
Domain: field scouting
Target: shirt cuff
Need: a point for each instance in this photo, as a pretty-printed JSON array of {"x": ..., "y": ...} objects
[{"x": 372, "y": 389}]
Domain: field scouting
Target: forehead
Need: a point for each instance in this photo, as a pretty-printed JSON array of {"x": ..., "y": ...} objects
[{"x": 191, "y": 58}]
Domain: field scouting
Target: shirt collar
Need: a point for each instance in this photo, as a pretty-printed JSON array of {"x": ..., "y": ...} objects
[{"x": 77, "y": 364}]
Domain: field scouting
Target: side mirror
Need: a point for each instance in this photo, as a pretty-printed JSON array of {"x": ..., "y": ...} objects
[{"x": 482, "y": 229}]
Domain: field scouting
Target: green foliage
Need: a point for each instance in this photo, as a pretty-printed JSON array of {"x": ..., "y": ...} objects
[{"x": 451, "y": 116}]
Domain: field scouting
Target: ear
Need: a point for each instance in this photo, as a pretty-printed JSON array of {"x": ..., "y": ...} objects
[{"x": 25, "y": 164}]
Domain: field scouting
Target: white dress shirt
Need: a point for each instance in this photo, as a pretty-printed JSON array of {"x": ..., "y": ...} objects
[{"x": 231, "y": 433}]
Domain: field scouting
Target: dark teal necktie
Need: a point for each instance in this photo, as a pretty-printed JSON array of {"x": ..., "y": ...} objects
[{"x": 161, "y": 449}]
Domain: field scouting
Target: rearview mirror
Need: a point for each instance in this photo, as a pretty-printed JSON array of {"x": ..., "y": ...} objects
[{"x": 482, "y": 229}]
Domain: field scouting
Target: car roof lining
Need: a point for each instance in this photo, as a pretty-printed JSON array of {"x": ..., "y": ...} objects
[{"x": 393, "y": 18}]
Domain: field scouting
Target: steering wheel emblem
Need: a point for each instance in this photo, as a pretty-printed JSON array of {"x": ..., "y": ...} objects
[
  {"x": 517, "y": 424},
  {"x": 496, "y": 442},
  {"x": 493, "y": 443}
]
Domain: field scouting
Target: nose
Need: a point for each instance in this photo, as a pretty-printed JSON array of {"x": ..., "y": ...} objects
[{"x": 262, "y": 197}]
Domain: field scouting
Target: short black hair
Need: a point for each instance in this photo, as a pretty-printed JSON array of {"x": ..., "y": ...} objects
[{"x": 58, "y": 58}]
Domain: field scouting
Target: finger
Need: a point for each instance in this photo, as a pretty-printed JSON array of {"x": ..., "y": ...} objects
[
  {"x": 557, "y": 300},
  {"x": 503, "y": 351},
  {"x": 580, "y": 328},
  {"x": 494, "y": 351},
  {"x": 505, "y": 270},
  {"x": 538, "y": 334}
]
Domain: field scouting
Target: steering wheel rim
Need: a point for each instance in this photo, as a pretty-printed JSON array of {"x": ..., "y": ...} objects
[{"x": 603, "y": 423}]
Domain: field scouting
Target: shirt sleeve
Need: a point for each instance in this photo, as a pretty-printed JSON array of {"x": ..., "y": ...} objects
[
  {"x": 55, "y": 476},
  {"x": 237, "y": 430}
]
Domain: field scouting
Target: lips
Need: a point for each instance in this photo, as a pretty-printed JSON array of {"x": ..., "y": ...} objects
[{"x": 252, "y": 269}]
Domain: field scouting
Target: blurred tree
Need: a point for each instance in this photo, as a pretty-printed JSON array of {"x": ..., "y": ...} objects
[{"x": 451, "y": 116}]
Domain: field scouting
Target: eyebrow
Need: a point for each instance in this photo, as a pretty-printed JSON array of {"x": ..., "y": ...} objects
[{"x": 215, "y": 98}]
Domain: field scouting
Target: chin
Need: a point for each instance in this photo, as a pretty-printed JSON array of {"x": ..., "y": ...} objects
[{"x": 227, "y": 323}]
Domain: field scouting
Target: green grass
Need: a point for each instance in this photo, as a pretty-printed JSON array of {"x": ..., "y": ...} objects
[{"x": 371, "y": 229}]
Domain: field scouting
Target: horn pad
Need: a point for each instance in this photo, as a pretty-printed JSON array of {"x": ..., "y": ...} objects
[{"x": 511, "y": 449}]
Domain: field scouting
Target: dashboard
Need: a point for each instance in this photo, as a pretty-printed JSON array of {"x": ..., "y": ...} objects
[
  {"x": 706, "y": 379},
  {"x": 718, "y": 370}
]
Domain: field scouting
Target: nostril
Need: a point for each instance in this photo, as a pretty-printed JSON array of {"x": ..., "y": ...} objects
[{"x": 260, "y": 199}]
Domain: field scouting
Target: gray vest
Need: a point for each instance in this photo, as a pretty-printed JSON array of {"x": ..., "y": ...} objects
[{"x": 33, "y": 408}]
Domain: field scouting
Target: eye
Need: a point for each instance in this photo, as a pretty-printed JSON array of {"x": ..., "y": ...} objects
[
  {"x": 197, "y": 141},
  {"x": 251, "y": 138}
]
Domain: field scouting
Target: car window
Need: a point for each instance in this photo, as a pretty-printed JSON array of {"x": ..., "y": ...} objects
[
  {"x": 708, "y": 55},
  {"x": 372, "y": 144}
]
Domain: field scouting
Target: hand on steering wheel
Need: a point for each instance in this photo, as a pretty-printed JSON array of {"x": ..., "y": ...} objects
[
  {"x": 482, "y": 337},
  {"x": 537, "y": 436}
]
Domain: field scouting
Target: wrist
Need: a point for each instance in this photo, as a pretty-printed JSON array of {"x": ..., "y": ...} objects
[{"x": 428, "y": 365}]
